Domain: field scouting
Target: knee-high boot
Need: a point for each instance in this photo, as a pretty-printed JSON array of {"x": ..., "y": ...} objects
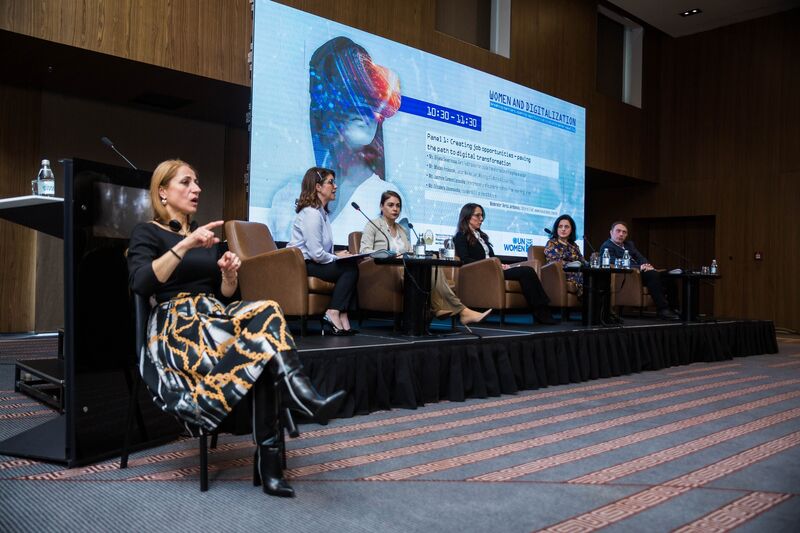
[
  {"x": 304, "y": 397},
  {"x": 268, "y": 460}
]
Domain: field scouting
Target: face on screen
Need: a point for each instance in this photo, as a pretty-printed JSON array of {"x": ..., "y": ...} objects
[{"x": 358, "y": 129}]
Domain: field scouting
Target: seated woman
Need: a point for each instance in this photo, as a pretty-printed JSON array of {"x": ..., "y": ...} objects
[
  {"x": 561, "y": 248},
  {"x": 385, "y": 234},
  {"x": 206, "y": 353},
  {"x": 312, "y": 234},
  {"x": 472, "y": 244}
]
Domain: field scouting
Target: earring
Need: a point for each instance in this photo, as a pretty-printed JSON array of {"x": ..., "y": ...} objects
[{"x": 163, "y": 201}]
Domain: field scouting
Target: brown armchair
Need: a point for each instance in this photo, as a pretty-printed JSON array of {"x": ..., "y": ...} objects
[
  {"x": 562, "y": 294},
  {"x": 481, "y": 285},
  {"x": 269, "y": 273},
  {"x": 380, "y": 287},
  {"x": 627, "y": 290}
]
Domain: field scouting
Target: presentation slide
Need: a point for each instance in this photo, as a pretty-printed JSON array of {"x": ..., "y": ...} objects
[{"x": 385, "y": 116}]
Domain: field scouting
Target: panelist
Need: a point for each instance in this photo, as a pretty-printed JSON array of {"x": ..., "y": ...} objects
[
  {"x": 313, "y": 236},
  {"x": 651, "y": 278},
  {"x": 561, "y": 248},
  {"x": 206, "y": 353},
  {"x": 472, "y": 244},
  {"x": 384, "y": 233}
]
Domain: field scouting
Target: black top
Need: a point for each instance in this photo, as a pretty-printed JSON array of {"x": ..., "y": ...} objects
[
  {"x": 616, "y": 251},
  {"x": 470, "y": 253},
  {"x": 197, "y": 273}
]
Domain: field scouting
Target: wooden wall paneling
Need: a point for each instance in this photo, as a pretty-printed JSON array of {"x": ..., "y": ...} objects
[
  {"x": 732, "y": 105},
  {"x": 237, "y": 156},
  {"x": 19, "y": 161},
  {"x": 209, "y": 37}
]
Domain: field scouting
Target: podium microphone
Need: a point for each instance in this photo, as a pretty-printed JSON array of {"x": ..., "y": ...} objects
[
  {"x": 110, "y": 144},
  {"x": 548, "y": 231},
  {"x": 586, "y": 240},
  {"x": 673, "y": 253},
  {"x": 355, "y": 206},
  {"x": 411, "y": 227}
]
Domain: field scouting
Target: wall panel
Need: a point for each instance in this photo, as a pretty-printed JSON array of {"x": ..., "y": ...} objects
[
  {"x": 206, "y": 37},
  {"x": 20, "y": 110}
]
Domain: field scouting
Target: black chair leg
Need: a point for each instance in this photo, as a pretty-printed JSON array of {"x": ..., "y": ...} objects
[
  {"x": 303, "y": 326},
  {"x": 133, "y": 393},
  {"x": 203, "y": 463}
]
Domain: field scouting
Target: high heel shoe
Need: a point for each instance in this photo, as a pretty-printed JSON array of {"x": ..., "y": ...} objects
[
  {"x": 304, "y": 397},
  {"x": 474, "y": 316},
  {"x": 268, "y": 470},
  {"x": 335, "y": 331}
]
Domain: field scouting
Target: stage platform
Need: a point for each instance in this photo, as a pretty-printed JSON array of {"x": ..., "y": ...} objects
[{"x": 383, "y": 370}]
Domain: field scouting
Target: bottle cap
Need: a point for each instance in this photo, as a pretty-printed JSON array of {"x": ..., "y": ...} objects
[{"x": 46, "y": 162}]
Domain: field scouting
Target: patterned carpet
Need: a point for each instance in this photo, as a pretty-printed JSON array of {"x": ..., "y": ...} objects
[{"x": 706, "y": 447}]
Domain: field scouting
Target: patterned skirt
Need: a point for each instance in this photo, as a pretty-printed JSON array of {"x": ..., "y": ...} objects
[{"x": 202, "y": 357}]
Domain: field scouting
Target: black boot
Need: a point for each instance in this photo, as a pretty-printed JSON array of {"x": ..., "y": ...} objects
[
  {"x": 304, "y": 397},
  {"x": 268, "y": 470},
  {"x": 268, "y": 460}
]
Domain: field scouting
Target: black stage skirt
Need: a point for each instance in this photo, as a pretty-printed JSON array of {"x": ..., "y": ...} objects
[{"x": 202, "y": 357}]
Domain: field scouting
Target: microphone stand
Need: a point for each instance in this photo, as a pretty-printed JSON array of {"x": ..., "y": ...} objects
[
  {"x": 674, "y": 254},
  {"x": 110, "y": 144},
  {"x": 357, "y": 208}
]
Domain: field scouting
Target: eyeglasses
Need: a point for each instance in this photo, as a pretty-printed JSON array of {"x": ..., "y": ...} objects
[{"x": 329, "y": 182}]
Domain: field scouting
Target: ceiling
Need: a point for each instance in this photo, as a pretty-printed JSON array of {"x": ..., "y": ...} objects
[{"x": 664, "y": 14}]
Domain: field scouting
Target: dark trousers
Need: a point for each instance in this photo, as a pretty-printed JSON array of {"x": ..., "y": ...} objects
[
  {"x": 531, "y": 286},
  {"x": 344, "y": 275},
  {"x": 656, "y": 284}
]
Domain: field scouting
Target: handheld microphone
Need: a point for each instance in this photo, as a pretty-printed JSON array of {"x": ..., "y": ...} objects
[
  {"x": 674, "y": 253},
  {"x": 110, "y": 144},
  {"x": 548, "y": 231},
  {"x": 388, "y": 240}
]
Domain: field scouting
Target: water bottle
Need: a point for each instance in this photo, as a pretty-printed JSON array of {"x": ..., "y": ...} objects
[
  {"x": 626, "y": 259},
  {"x": 45, "y": 182},
  {"x": 449, "y": 249},
  {"x": 605, "y": 262},
  {"x": 419, "y": 248},
  {"x": 713, "y": 269}
]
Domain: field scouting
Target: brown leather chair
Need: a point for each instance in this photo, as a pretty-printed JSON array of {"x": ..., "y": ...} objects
[
  {"x": 269, "y": 273},
  {"x": 380, "y": 287},
  {"x": 562, "y": 294},
  {"x": 481, "y": 285},
  {"x": 627, "y": 290}
]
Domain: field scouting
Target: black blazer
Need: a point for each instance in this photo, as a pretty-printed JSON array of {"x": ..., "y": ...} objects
[{"x": 467, "y": 253}]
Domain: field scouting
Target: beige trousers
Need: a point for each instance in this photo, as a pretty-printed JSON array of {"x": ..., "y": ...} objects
[{"x": 442, "y": 296}]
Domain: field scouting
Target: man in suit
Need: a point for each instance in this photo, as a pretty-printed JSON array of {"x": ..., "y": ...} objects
[{"x": 651, "y": 278}]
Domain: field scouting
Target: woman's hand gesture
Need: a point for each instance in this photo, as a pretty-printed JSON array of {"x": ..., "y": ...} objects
[
  {"x": 202, "y": 237},
  {"x": 229, "y": 265}
]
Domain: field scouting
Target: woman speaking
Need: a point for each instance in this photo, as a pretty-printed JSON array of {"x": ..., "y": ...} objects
[
  {"x": 312, "y": 235},
  {"x": 205, "y": 353}
]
